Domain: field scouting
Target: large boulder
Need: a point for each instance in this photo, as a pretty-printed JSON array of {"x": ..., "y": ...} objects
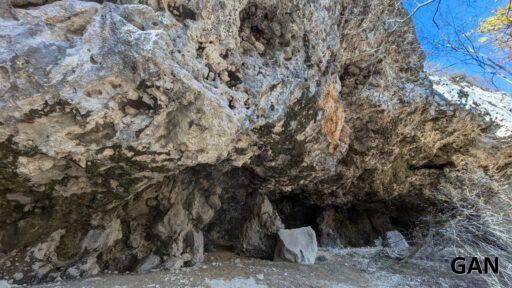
[
  {"x": 296, "y": 245},
  {"x": 151, "y": 262},
  {"x": 396, "y": 241},
  {"x": 396, "y": 245}
]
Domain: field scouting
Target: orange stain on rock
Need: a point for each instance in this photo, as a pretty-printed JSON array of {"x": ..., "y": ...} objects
[{"x": 334, "y": 118}]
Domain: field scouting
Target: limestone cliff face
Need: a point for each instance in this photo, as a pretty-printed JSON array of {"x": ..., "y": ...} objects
[{"x": 148, "y": 129}]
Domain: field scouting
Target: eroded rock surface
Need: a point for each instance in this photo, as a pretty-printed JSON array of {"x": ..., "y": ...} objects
[{"x": 131, "y": 132}]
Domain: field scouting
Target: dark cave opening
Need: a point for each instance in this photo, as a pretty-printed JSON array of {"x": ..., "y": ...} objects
[
  {"x": 295, "y": 212},
  {"x": 360, "y": 224}
]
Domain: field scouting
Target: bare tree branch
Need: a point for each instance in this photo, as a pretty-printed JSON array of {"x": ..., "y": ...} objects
[{"x": 414, "y": 11}]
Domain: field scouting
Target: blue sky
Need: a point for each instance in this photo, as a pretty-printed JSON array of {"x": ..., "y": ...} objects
[{"x": 452, "y": 17}]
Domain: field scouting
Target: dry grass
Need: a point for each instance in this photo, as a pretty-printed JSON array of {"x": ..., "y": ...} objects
[{"x": 472, "y": 223}]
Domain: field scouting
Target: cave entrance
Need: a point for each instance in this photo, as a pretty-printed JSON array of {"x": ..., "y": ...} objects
[
  {"x": 361, "y": 224},
  {"x": 296, "y": 212},
  {"x": 358, "y": 225},
  {"x": 364, "y": 224}
]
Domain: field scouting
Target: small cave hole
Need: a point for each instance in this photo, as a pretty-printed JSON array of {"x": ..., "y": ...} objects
[
  {"x": 261, "y": 27},
  {"x": 433, "y": 165},
  {"x": 182, "y": 12},
  {"x": 234, "y": 79},
  {"x": 231, "y": 104}
]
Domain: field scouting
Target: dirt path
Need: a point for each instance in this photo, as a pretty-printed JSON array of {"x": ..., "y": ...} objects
[{"x": 339, "y": 269}]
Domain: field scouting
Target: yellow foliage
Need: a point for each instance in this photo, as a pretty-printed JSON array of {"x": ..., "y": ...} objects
[
  {"x": 501, "y": 20},
  {"x": 499, "y": 28}
]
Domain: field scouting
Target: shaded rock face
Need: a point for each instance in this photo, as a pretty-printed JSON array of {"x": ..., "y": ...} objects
[
  {"x": 258, "y": 237},
  {"x": 135, "y": 134}
]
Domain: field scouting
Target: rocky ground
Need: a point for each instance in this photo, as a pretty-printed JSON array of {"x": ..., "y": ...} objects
[{"x": 359, "y": 267}]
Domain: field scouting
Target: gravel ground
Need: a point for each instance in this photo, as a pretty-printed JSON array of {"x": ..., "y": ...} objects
[{"x": 362, "y": 267}]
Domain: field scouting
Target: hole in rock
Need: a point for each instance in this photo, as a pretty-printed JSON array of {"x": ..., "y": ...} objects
[
  {"x": 182, "y": 12},
  {"x": 234, "y": 79},
  {"x": 432, "y": 165},
  {"x": 265, "y": 27},
  {"x": 296, "y": 212}
]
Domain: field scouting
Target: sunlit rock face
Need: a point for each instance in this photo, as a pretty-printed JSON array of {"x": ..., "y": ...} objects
[{"x": 140, "y": 133}]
